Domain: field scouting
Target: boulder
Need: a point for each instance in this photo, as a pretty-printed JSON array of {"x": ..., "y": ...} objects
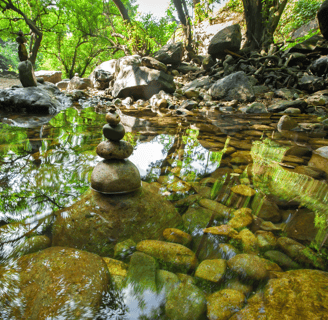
[
  {"x": 44, "y": 99},
  {"x": 62, "y": 84},
  {"x": 78, "y": 83},
  {"x": 170, "y": 54},
  {"x": 26, "y": 74},
  {"x": 227, "y": 39},
  {"x": 49, "y": 76},
  {"x": 103, "y": 74},
  {"x": 141, "y": 82},
  {"x": 322, "y": 19},
  {"x": 97, "y": 222},
  {"x": 53, "y": 283},
  {"x": 296, "y": 294},
  {"x": 235, "y": 86}
]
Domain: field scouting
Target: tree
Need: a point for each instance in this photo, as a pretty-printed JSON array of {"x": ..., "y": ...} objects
[
  {"x": 184, "y": 18},
  {"x": 262, "y": 18}
]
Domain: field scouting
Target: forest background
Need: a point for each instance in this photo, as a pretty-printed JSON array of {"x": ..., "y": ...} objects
[{"x": 75, "y": 36}]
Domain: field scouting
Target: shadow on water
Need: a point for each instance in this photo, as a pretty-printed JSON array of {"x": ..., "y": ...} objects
[{"x": 45, "y": 166}]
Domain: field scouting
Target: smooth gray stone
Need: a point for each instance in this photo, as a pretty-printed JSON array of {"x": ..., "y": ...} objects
[{"x": 114, "y": 133}]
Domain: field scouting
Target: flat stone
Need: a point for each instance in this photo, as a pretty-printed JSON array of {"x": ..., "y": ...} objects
[
  {"x": 241, "y": 218},
  {"x": 114, "y": 149},
  {"x": 114, "y": 133},
  {"x": 223, "y": 230}
]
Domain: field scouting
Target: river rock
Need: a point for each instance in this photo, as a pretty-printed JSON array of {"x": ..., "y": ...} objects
[
  {"x": 115, "y": 176},
  {"x": 300, "y": 253},
  {"x": 249, "y": 241},
  {"x": 142, "y": 272},
  {"x": 113, "y": 133},
  {"x": 319, "y": 159},
  {"x": 177, "y": 236},
  {"x": 77, "y": 83},
  {"x": 124, "y": 249},
  {"x": 241, "y": 218},
  {"x": 49, "y": 76},
  {"x": 265, "y": 209},
  {"x": 208, "y": 62},
  {"x": 228, "y": 38},
  {"x": 282, "y": 106},
  {"x": 296, "y": 294},
  {"x": 118, "y": 271},
  {"x": 166, "y": 280},
  {"x": 248, "y": 266},
  {"x": 170, "y": 53},
  {"x": 311, "y": 83},
  {"x": 108, "y": 220},
  {"x": 26, "y": 74},
  {"x": 44, "y": 99},
  {"x": 212, "y": 270},
  {"x": 322, "y": 18},
  {"x": 174, "y": 255},
  {"x": 319, "y": 67},
  {"x": 302, "y": 226},
  {"x": 256, "y": 107},
  {"x": 235, "y": 86},
  {"x": 266, "y": 240},
  {"x": 221, "y": 211},
  {"x": 141, "y": 82},
  {"x": 281, "y": 259},
  {"x": 153, "y": 64},
  {"x": 114, "y": 149},
  {"x": 185, "y": 302},
  {"x": 286, "y": 123},
  {"x": 54, "y": 283},
  {"x": 221, "y": 305},
  {"x": 103, "y": 74}
]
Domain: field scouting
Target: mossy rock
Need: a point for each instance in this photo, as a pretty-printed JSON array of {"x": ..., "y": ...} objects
[
  {"x": 224, "y": 303},
  {"x": 212, "y": 270},
  {"x": 48, "y": 283},
  {"x": 97, "y": 222},
  {"x": 295, "y": 294},
  {"x": 185, "y": 302},
  {"x": 172, "y": 255}
]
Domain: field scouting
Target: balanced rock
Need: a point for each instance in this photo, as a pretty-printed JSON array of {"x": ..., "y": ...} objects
[
  {"x": 114, "y": 133},
  {"x": 114, "y": 150},
  {"x": 115, "y": 176},
  {"x": 26, "y": 74}
]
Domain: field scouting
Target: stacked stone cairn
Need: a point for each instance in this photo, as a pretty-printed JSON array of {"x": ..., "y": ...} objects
[
  {"x": 115, "y": 174},
  {"x": 25, "y": 67}
]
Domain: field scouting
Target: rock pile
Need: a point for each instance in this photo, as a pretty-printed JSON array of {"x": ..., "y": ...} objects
[{"x": 115, "y": 174}]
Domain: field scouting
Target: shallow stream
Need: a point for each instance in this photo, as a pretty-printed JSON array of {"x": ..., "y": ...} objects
[{"x": 46, "y": 163}]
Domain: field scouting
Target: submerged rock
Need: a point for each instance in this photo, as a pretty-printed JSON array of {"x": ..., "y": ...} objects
[
  {"x": 185, "y": 302},
  {"x": 174, "y": 255},
  {"x": 97, "y": 222},
  {"x": 297, "y": 294},
  {"x": 221, "y": 305},
  {"x": 235, "y": 86},
  {"x": 54, "y": 283}
]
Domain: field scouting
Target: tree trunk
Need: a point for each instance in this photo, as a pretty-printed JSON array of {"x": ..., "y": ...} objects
[
  {"x": 123, "y": 11},
  {"x": 194, "y": 2},
  {"x": 262, "y": 19},
  {"x": 254, "y": 23}
]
